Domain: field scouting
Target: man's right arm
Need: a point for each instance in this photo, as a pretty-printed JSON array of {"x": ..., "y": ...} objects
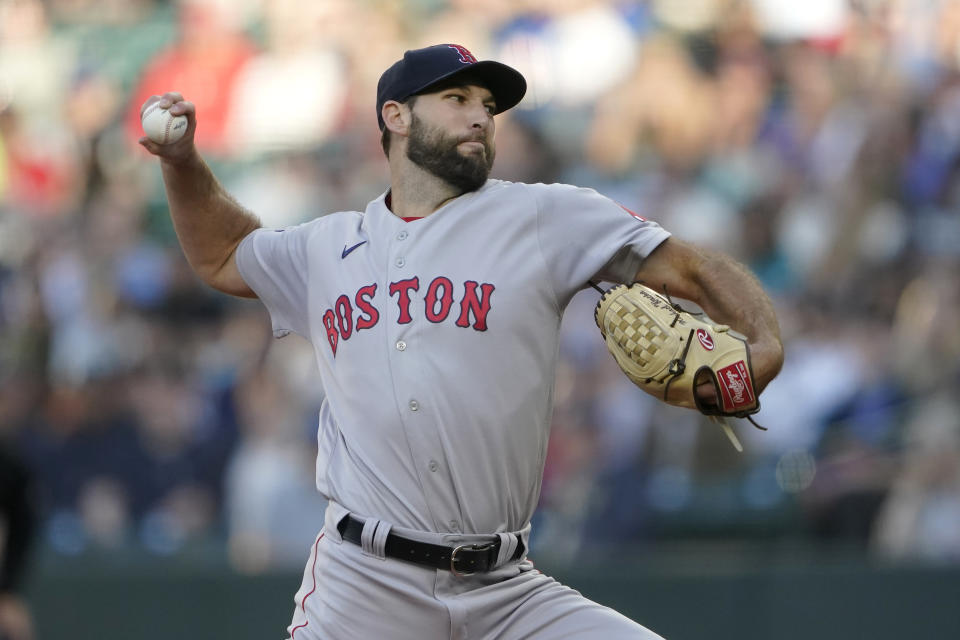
[{"x": 209, "y": 223}]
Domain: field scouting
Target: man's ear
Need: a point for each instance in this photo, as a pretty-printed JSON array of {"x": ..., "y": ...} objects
[{"x": 396, "y": 117}]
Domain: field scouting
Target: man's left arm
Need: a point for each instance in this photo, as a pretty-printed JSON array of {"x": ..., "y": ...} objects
[{"x": 726, "y": 291}]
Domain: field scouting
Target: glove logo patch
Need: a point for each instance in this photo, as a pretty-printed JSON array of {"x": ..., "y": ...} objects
[
  {"x": 735, "y": 386},
  {"x": 705, "y": 340}
]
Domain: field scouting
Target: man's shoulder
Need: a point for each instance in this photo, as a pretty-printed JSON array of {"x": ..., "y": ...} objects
[
  {"x": 324, "y": 226},
  {"x": 327, "y": 221},
  {"x": 550, "y": 196},
  {"x": 340, "y": 217},
  {"x": 535, "y": 187},
  {"x": 498, "y": 183},
  {"x": 493, "y": 185},
  {"x": 497, "y": 187}
]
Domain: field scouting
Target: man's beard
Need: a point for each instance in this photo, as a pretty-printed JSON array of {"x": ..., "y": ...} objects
[{"x": 433, "y": 150}]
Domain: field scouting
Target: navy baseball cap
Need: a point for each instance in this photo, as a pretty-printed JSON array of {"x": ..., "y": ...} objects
[{"x": 419, "y": 69}]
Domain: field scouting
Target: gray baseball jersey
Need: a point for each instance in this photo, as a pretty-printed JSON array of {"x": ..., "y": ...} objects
[{"x": 437, "y": 341}]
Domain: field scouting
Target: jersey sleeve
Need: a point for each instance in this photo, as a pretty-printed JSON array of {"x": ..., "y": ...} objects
[
  {"x": 273, "y": 262},
  {"x": 584, "y": 235}
]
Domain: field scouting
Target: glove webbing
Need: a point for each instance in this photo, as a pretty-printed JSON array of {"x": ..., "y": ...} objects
[{"x": 678, "y": 365}]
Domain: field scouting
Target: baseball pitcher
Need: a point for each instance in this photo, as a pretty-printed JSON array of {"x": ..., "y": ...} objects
[{"x": 434, "y": 316}]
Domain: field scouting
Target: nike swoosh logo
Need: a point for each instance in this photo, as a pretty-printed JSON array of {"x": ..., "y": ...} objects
[{"x": 347, "y": 251}]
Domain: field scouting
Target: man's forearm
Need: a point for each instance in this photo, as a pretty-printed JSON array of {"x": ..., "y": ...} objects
[
  {"x": 729, "y": 293},
  {"x": 209, "y": 223},
  {"x": 726, "y": 291}
]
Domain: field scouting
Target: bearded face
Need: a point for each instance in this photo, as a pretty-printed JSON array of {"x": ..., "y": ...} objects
[{"x": 436, "y": 151}]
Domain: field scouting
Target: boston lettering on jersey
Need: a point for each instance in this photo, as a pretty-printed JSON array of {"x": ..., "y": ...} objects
[{"x": 346, "y": 317}]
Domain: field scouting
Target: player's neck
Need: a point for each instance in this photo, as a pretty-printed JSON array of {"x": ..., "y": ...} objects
[{"x": 415, "y": 192}]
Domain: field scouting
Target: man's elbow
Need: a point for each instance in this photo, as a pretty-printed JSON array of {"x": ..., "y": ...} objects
[
  {"x": 225, "y": 278},
  {"x": 237, "y": 289},
  {"x": 675, "y": 268}
]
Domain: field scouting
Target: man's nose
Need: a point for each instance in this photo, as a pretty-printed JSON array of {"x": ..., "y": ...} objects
[{"x": 480, "y": 117}]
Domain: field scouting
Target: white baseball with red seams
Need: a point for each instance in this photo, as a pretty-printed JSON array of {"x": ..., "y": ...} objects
[
  {"x": 160, "y": 126},
  {"x": 437, "y": 344}
]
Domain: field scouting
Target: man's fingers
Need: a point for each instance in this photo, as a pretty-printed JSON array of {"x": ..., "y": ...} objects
[
  {"x": 167, "y": 100},
  {"x": 148, "y": 144},
  {"x": 182, "y": 108},
  {"x": 146, "y": 103},
  {"x": 170, "y": 99},
  {"x": 154, "y": 148}
]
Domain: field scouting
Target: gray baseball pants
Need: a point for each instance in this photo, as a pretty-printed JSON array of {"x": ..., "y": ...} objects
[{"x": 350, "y": 592}]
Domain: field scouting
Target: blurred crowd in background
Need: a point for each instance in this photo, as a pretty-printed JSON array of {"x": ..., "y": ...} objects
[{"x": 818, "y": 142}]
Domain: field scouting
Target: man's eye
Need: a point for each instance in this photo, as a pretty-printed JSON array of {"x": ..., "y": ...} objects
[{"x": 491, "y": 109}]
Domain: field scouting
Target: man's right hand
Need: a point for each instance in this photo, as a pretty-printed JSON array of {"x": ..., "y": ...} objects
[{"x": 183, "y": 148}]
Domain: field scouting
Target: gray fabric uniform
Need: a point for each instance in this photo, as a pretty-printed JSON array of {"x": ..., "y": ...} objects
[{"x": 437, "y": 342}]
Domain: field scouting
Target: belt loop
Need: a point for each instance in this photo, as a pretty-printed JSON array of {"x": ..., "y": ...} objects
[
  {"x": 508, "y": 545},
  {"x": 379, "y": 545},
  {"x": 368, "y": 537},
  {"x": 334, "y": 516}
]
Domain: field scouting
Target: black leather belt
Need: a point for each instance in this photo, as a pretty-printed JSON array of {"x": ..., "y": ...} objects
[{"x": 462, "y": 560}]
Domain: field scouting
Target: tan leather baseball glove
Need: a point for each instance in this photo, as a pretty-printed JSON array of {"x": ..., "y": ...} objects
[{"x": 668, "y": 352}]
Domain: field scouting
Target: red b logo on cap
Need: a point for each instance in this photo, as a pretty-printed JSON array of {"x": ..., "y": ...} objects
[{"x": 465, "y": 56}]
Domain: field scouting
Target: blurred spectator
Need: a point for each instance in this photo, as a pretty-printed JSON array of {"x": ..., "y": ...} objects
[
  {"x": 292, "y": 95},
  {"x": 35, "y": 64},
  {"x": 921, "y": 517},
  {"x": 18, "y": 521},
  {"x": 41, "y": 169},
  {"x": 204, "y": 64},
  {"x": 569, "y": 51},
  {"x": 666, "y": 105},
  {"x": 273, "y": 509}
]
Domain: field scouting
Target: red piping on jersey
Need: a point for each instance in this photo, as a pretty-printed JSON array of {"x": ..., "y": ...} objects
[
  {"x": 633, "y": 213},
  {"x": 303, "y": 603}
]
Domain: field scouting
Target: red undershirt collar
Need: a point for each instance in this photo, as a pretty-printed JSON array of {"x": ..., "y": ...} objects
[{"x": 388, "y": 200}]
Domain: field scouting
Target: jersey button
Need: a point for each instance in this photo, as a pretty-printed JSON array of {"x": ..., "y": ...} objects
[
  {"x": 401, "y": 345},
  {"x": 454, "y": 525},
  {"x": 402, "y": 235},
  {"x": 433, "y": 466},
  {"x": 399, "y": 262},
  {"x": 414, "y": 405}
]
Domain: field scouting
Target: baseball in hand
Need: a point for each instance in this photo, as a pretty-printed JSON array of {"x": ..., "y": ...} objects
[{"x": 160, "y": 126}]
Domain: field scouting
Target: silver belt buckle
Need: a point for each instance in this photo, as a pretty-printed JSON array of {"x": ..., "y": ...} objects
[{"x": 472, "y": 547}]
